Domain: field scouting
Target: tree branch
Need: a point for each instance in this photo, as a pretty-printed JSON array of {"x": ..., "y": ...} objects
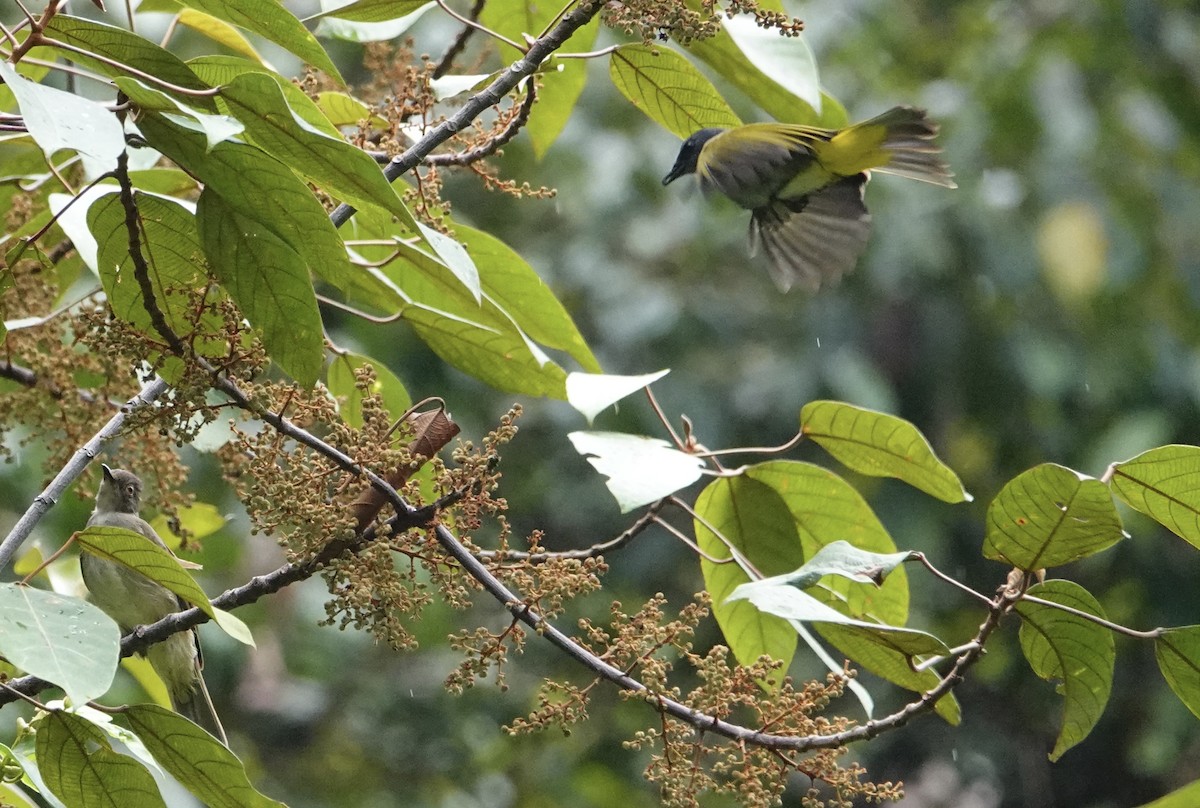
[{"x": 488, "y": 97}]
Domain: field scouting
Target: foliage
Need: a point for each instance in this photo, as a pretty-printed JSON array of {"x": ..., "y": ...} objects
[{"x": 210, "y": 265}]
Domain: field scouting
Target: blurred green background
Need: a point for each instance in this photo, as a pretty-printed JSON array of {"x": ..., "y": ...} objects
[{"x": 1047, "y": 310}]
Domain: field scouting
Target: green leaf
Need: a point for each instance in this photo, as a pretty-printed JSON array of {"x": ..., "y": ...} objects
[
  {"x": 1178, "y": 653},
  {"x": 273, "y": 22},
  {"x": 259, "y": 188},
  {"x": 348, "y": 31},
  {"x": 1164, "y": 484},
  {"x": 340, "y": 381},
  {"x": 672, "y": 92},
  {"x": 592, "y": 393},
  {"x": 221, "y": 69},
  {"x": 196, "y": 759},
  {"x": 124, "y": 49},
  {"x": 199, "y": 520},
  {"x": 216, "y": 128},
  {"x": 756, "y": 522},
  {"x": 483, "y": 340},
  {"x": 233, "y": 625},
  {"x": 563, "y": 81},
  {"x": 640, "y": 470},
  {"x": 343, "y": 109},
  {"x": 772, "y": 596},
  {"x": 63, "y": 640},
  {"x": 476, "y": 343},
  {"x": 723, "y": 55},
  {"x": 142, "y": 555},
  {"x": 875, "y": 653},
  {"x": 516, "y": 19},
  {"x": 60, "y": 120},
  {"x": 373, "y": 10},
  {"x": 452, "y": 255},
  {"x": 270, "y": 283},
  {"x": 1080, "y": 653},
  {"x": 880, "y": 445},
  {"x": 171, "y": 248},
  {"x": 1049, "y": 516},
  {"x": 825, "y": 509},
  {"x": 515, "y": 289},
  {"x": 785, "y": 60},
  {"x": 328, "y": 161},
  {"x": 218, "y": 31},
  {"x": 82, "y": 770}
]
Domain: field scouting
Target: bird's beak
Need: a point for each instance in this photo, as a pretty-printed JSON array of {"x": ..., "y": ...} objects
[
  {"x": 107, "y": 471},
  {"x": 676, "y": 172}
]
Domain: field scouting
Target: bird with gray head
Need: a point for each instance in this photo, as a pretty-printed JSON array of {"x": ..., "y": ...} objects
[{"x": 132, "y": 599}]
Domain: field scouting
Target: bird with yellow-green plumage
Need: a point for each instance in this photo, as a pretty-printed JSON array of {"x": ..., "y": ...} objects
[{"x": 804, "y": 184}]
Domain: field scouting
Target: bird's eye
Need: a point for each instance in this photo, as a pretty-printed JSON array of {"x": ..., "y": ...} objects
[{"x": 129, "y": 490}]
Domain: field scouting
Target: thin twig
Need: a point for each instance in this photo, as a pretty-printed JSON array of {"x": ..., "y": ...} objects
[
  {"x": 1152, "y": 634},
  {"x": 644, "y": 521},
  {"x": 929, "y": 566},
  {"x": 460, "y": 42},
  {"x": 470, "y": 23},
  {"x": 780, "y": 449}
]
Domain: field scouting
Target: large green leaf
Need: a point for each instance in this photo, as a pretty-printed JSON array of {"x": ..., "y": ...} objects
[
  {"x": 783, "y": 103},
  {"x": 219, "y": 69},
  {"x": 1048, "y": 516},
  {"x": 825, "y": 509},
  {"x": 63, "y": 640},
  {"x": 756, "y": 522},
  {"x": 124, "y": 49},
  {"x": 1164, "y": 484},
  {"x": 259, "y": 188},
  {"x": 476, "y": 336},
  {"x": 171, "y": 248},
  {"x": 330, "y": 162},
  {"x": 271, "y": 21},
  {"x": 269, "y": 281},
  {"x": 142, "y": 555},
  {"x": 340, "y": 381},
  {"x": 216, "y": 128},
  {"x": 196, "y": 759},
  {"x": 1076, "y": 651},
  {"x": 880, "y": 445},
  {"x": 513, "y": 287},
  {"x": 1178, "y": 654},
  {"x": 374, "y": 10},
  {"x": 82, "y": 770},
  {"x": 875, "y": 652},
  {"x": 669, "y": 89}
]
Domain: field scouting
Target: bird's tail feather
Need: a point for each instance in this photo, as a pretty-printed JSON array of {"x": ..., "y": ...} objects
[
  {"x": 908, "y": 136},
  {"x": 196, "y": 706}
]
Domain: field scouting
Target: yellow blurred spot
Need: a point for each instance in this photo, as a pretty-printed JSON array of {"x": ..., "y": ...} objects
[{"x": 1073, "y": 247}]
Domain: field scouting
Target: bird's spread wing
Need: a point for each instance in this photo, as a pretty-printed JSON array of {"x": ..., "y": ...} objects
[
  {"x": 752, "y": 163},
  {"x": 814, "y": 239}
]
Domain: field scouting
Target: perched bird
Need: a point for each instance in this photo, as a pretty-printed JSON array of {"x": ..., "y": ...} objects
[
  {"x": 804, "y": 185},
  {"x": 132, "y": 599}
]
